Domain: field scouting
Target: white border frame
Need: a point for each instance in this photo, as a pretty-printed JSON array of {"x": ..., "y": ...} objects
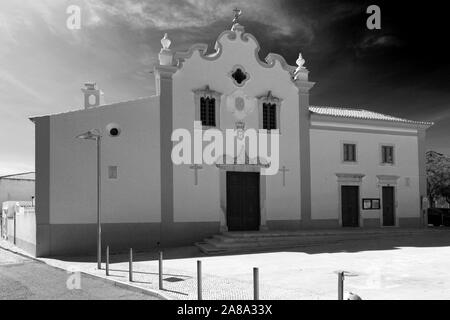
[
  {"x": 388, "y": 181},
  {"x": 223, "y": 196},
  {"x": 350, "y": 179}
]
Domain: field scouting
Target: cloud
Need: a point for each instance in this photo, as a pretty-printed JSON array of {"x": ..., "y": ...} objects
[
  {"x": 161, "y": 14},
  {"x": 14, "y": 167},
  {"x": 382, "y": 41},
  {"x": 441, "y": 113},
  {"x": 9, "y": 82},
  {"x": 11, "y": 19},
  {"x": 340, "y": 11},
  {"x": 181, "y": 14}
]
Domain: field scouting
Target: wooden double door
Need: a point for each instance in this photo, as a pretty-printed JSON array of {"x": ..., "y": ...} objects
[{"x": 243, "y": 206}]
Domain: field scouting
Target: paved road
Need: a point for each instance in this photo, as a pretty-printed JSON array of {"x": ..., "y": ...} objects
[{"x": 23, "y": 278}]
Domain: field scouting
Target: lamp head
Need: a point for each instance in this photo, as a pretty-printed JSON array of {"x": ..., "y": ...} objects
[{"x": 93, "y": 134}]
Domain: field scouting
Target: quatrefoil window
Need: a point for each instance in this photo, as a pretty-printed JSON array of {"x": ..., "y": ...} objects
[{"x": 239, "y": 76}]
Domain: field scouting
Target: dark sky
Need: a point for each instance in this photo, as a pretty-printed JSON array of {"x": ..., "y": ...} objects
[{"x": 402, "y": 69}]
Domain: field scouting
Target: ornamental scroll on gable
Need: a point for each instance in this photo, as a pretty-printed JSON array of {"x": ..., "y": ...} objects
[
  {"x": 237, "y": 43},
  {"x": 240, "y": 47}
]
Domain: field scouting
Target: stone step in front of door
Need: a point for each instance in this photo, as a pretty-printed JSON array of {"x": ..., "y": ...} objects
[
  {"x": 320, "y": 232},
  {"x": 289, "y": 240},
  {"x": 229, "y": 242},
  {"x": 209, "y": 248},
  {"x": 278, "y": 240}
]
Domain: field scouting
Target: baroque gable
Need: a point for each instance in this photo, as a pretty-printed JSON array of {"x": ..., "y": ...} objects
[{"x": 237, "y": 36}]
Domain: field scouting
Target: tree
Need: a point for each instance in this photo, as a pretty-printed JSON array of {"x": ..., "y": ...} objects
[
  {"x": 446, "y": 193},
  {"x": 438, "y": 176}
]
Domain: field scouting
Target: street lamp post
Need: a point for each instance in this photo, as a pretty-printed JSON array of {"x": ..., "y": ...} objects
[{"x": 95, "y": 135}]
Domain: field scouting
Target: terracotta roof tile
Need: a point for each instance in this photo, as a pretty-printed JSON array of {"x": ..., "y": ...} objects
[{"x": 360, "y": 114}]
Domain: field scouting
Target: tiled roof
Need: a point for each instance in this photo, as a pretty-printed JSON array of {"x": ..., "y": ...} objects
[
  {"x": 20, "y": 176},
  {"x": 360, "y": 114},
  {"x": 81, "y": 109}
]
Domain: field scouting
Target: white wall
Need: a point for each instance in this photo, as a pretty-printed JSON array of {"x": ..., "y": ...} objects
[
  {"x": 202, "y": 202},
  {"x": 26, "y": 225},
  {"x": 135, "y": 196},
  {"x": 16, "y": 190},
  {"x": 326, "y": 161}
]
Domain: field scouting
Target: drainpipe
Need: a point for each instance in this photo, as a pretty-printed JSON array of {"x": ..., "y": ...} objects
[{"x": 14, "y": 226}]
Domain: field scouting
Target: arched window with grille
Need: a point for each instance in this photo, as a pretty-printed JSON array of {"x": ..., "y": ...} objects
[
  {"x": 269, "y": 110},
  {"x": 269, "y": 116},
  {"x": 208, "y": 111},
  {"x": 207, "y": 106}
]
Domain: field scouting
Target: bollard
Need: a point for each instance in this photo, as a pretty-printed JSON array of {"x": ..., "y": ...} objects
[
  {"x": 107, "y": 261},
  {"x": 255, "y": 284},
  {"x": 341, "y": 285},
  {"x": 199, "y": 280},
  {"x": 160, "y": 270},
  {"x": 130, "y": 268}
]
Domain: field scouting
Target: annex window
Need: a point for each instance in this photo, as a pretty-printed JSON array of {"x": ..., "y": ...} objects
[
  {"x": 207, "y": 106},
  {"x": 112, "y": 172},
  {"x": 387, "y": 154},
  {"x": 349, "y": 152},
  {"x": 269, "y": 110}
]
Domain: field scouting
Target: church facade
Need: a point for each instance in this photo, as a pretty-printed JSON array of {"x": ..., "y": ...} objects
[{"x": 335, "y": 167}]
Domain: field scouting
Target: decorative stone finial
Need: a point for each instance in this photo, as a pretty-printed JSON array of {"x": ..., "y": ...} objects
[
  {"x": 165, "y": 55},
  {"x": 301, "y": 73},
  {"x": 90, "y": 85},
  {"x": 300, "y": 62},
  {"x": 237, "y": 14},
  {"x": 165, "y": 42}
]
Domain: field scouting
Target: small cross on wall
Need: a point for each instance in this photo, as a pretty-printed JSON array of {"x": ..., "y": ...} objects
[
  {"x": 284, "y": 170},
  {"x": 196, "y": 167}
]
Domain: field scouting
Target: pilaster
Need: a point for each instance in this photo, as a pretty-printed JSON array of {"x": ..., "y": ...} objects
[
  {"x": 164, "y": 89},
  {"x": 303, "y": 85}
]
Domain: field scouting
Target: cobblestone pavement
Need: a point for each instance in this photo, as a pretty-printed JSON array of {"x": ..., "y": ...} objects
[{"x": 415, "y": 267}]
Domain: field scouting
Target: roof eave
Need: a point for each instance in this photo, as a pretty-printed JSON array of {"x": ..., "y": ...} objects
[{"x": 408, "y": 123}]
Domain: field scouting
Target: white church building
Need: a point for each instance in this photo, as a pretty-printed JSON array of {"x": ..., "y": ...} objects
[{"x": 337, "y": 167}]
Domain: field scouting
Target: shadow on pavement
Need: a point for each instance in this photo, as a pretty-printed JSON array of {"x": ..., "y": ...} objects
[{"x": 431, "y": 237}]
